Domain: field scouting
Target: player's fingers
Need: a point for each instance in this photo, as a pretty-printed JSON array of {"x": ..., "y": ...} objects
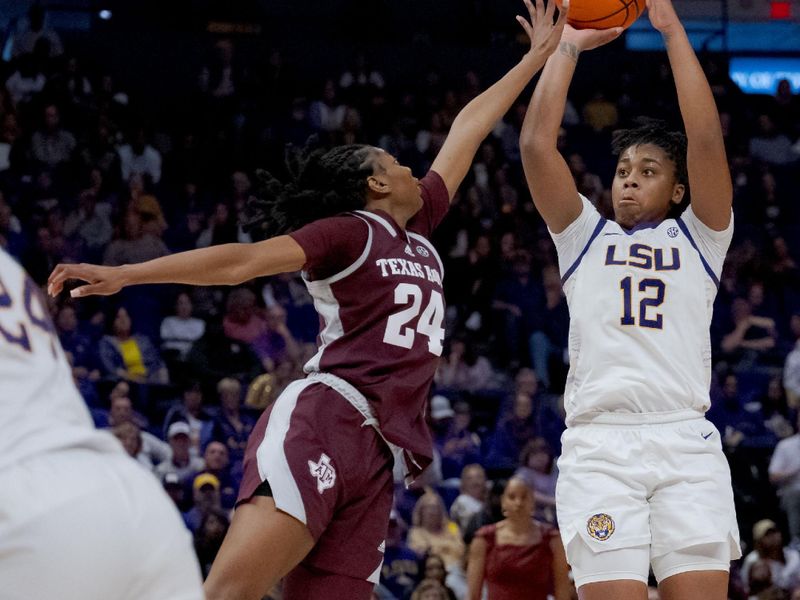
[
  {"x": 525, "y": 25},
  {"x": 539, "y": 9},
  {"x": 531, "y": 10},
  {"x": 550, "y": 11},
  {"x": 563, "y": 12},
  {"x": 97, "y": 289}
]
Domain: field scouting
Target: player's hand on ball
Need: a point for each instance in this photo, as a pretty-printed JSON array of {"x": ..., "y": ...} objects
[
  {"x": 103, "y": 281},
  {"x": 589, "y": 39},
  {"x": 662, "y": 15},
  {"x": 543, "y": 33}
]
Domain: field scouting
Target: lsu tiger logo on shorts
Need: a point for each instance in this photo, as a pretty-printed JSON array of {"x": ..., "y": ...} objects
[{"x": 600, "y": 526}]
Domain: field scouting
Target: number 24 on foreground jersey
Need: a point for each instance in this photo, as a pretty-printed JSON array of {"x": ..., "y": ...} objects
[
  {"x": 640, "y": 304},
  {"x": 40, "y": 408}
]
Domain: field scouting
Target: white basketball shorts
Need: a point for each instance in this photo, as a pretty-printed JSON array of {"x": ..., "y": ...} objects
[
  {"x": 81, "y": 525},
  {"x": 632, "y": 495}
]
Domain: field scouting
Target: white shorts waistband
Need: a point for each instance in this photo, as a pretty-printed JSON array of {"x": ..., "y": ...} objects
[{"x": 637, "y": 419}]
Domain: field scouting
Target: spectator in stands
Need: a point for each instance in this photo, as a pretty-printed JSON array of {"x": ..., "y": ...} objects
[
  {"x": 784, "y": 472},
  {"x": 433, "y": 570},
  {"x": 52, "y": 146},
  {"x": 791, "y": 368},
  {"x": 463, "y": 370},
  {"x": 124, "y": 354},
  {"x": 232, "y": 427},
  {"x": 770, "y": 145},
  {"x": 538, "y": 470},
  {"x": 784, "y": 562},
  {"x": 515, "y": 428},
  {"x": 190, "y": 410},
  {"x": 90, "y": 225},
  {"x": 458, "y": 445},
  {"x": 218, "y": 463},
  {"x": 205, "y": 492},
  {"x": 518, "y": 301},
  {"x": 472, "y": 498},
  {"x": 25, "y": 41},
  {"x": 181, "y": 330},
  {"x": 433, "y": 533},
  {"x": 27, "y": 81},
  {"x": 139, "y": 157},
  {"x": 147, "y": 449},
  {"x": 181, "y": 462},
  {"x": 518, "y": 557},
  {"x": 223, "y": 228},
  {"x": 760, "y": 585},
  {"x": 752, "y": 337},
  {"x": 327, "y": 114},
  {"x": 77, "y": 343},
  {"x": 400, "y": 569},
  {"x": 208, "y": 537},
  {"x": 550, "y": 341},
  {"x": 430, "y": 589},
  {"x": 264, "y": 330},
  {"x": 135, "y": 245}
]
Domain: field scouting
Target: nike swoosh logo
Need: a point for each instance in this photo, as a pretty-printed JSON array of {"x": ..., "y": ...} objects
[{"x": 708, "y": 435}]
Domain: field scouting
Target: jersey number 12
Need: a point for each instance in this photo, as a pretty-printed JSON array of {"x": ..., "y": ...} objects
[
  {"x": 429, "y": 323},
  {"x": 647, "y": 300}
]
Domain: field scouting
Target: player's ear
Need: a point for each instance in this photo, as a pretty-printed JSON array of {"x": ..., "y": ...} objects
[
  {"x": 678, "y": 191},
  {"x": 379, "y": 184}
]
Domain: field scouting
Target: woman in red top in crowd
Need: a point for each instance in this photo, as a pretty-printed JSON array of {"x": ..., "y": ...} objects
[{"x": 518, "y": 557}]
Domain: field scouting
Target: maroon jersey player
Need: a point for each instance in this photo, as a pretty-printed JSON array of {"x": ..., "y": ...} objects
[{"x": 317, "y": 489}]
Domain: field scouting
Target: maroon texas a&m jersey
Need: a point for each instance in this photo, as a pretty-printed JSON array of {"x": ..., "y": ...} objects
[{"x": 378, "y": 291}]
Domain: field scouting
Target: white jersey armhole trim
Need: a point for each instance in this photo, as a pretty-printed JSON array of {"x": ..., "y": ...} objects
[
  {"x": 349, "y": 270},
  {"x": 379, "y": 219}
]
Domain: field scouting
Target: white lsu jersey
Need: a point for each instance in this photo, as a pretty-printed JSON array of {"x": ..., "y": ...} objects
[
  {"x": 640, "y": 305},
  {"x": 40, "y": 407}
]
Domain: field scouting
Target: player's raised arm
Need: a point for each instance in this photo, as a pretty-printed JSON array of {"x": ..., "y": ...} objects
[
  {"x": 227, "y": 264},
  {"x": 549, "y": 179},
  {"x": 477, "y": 119},
  {"x": 709, "y": 177}
]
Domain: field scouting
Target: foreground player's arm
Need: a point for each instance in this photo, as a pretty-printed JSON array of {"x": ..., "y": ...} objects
[
  {"x": 477, "y": 119},
  {"x": 475, "y": 566},
  {"x": 227, "y": 264},
  {"x": 549, "y": 179},
  {"x": 709, "y": 177}
]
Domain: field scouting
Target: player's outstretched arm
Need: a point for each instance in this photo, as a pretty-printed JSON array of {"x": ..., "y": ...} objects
[
  {"x": 549, "y": 179},
  {"x": 709, "y": 177},
  {"x": 477, "y": 119},
  {"x": 227, "y": 264}
]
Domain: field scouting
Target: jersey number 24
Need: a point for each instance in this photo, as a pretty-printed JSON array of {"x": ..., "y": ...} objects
[{"x": 399, "y": 333}]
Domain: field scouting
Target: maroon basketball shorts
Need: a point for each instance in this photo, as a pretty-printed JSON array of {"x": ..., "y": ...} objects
[{"x": 330, "y": 470}]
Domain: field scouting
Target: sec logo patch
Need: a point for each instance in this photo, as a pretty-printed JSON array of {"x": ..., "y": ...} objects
[{"x": 600, "y": 526}]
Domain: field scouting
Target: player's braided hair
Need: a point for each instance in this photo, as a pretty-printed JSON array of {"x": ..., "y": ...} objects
[
  {"x": 656, "y": 132},
  {"x": 322, "y": 183}
]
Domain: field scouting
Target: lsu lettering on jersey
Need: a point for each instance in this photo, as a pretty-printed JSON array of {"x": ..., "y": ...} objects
[
  {"x": 40, "y": 408},
  {"x": 640, "y": 305}
]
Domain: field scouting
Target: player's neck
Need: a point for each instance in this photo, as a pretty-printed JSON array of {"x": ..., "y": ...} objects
[{"x": 398, "y": 214}]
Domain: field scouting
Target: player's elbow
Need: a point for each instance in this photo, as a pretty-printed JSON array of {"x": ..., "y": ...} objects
[{"x": 534, "y": 143}]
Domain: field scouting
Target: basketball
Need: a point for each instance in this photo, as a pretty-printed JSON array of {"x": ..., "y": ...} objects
[{"x": 603, "y": 14}]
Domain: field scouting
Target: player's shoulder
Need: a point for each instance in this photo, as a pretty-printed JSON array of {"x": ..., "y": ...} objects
[{"x": 12, "y": 274}]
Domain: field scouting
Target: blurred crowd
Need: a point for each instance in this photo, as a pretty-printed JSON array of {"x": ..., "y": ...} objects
[{"x": 89, "y": 174}]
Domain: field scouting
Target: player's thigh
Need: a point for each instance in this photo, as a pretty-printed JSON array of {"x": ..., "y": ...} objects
[
  {"x": 261, "y": 546},
  {"x": 623, "y": 589},
  {"x": 695, "y": 585}
]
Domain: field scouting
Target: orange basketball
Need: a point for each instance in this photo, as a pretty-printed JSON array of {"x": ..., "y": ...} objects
[{"x": 603, "y": 14}]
